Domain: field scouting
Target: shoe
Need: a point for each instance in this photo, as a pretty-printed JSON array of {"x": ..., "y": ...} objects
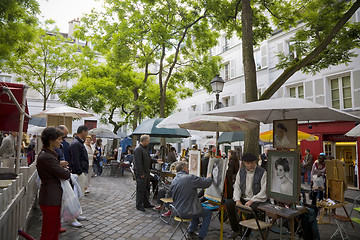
[
  {"x": 75, "y": 224},
  {"x": 234, "y": 234},
  {"x": 167, "y": 214},
  {"x": 86, "y": 192},
  {"x": 62, "y": 230},
  {"x": 191, "y": 235},
  {"x": 140, "y": 208},
  {"x": 81, "y": 218},
  {"x": 158, "y": 207},
  {"x": 149, "y": 206}
]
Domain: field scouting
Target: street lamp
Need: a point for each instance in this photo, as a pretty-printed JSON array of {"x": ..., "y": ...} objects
[{"x": 217, "y": 85}]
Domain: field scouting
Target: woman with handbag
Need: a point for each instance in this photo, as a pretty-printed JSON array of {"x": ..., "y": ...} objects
[
  {"x": 318, "y": 179},
  {"x": 50, "y": 172}
]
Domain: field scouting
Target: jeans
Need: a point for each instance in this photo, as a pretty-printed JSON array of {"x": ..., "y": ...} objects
[
  {"x": 206, "y": 218},
  {"x": 97, "y": 168},
  {"x": 309, "y": 176}
]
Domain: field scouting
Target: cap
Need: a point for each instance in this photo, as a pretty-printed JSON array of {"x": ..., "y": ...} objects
[{"x": 248, "y": 157}]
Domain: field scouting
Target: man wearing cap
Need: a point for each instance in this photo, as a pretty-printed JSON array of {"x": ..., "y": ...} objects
[{"x": 249, "y": 190}]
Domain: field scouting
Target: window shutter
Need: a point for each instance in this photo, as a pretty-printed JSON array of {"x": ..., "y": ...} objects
[
  {"x": 319, "y": 87},
  {"x": 356, "y": 91},
  {"x": 233, "y": 100},
  {"x": 320, "y": 100},
  {"x": 263, "y": 51},
  {"x": 308, "y": 89},
  {"x": 232, "y": 69}
]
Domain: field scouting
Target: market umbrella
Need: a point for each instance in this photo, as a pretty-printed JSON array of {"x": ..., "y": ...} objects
[
  {"x": 177, "y": 118},
  {"x": 229, "y": 137},
  {"x": 355, "y": 132},
  {"x": 268, "y": 136},
  {"x": 64, "y": 111},
  {"x": 105, "y": 133},
  {"x": 35, "y": 129},
  {"x": 156, "y": 140},
  {"x": 216, "y": 123},
  {"x": 149, "y": 127},
  {"x": 284, "y": 108}
]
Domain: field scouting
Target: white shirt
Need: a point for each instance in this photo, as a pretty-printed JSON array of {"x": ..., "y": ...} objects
[
  {"x": 90, "y": 152},
  {"x": 249, "y": 195}
]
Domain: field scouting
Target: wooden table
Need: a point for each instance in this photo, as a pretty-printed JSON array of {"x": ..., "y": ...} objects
[{"x": 282, "y": 212}]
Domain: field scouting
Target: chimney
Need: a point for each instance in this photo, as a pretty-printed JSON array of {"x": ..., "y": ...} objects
[{"x": 72, "y": 25}]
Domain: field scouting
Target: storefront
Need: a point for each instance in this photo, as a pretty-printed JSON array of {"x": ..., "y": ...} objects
[{"x": 333, "y": 142}]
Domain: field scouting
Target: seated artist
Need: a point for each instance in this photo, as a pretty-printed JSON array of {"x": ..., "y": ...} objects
[
  {"x": 249, "y": 190},
  {"x": 184, "y": 193}
]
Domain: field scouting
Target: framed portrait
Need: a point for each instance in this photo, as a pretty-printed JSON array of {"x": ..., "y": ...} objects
[
  {"x": 283, "y": 176},
  {"x": 194, "y": 162},
  {"x": 285, "y": 133},
  {"x": 217, "y": 166}
]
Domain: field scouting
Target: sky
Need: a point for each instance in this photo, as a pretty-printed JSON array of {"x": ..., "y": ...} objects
[{"x": 63, "y": 11}]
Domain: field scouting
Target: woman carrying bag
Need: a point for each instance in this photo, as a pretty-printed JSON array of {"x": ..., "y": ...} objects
[{"x": 50, "y": 172}]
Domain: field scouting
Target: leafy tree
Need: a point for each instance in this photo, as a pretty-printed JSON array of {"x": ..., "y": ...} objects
[
  {"x": 167, "y": 39},
  {"x": 324, "y": 37},
  {"x": 51, "y": 59},
  {"x": 108, "y": 91},
  {"x": 17, "y": 21}
]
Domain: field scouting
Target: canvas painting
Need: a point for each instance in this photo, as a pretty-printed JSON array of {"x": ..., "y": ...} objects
[
  {"x": 194, "y": 162},
  {"x": 283, "y": 176},
  {"x": 217, "y": 166},
  {"x": 285, "y": 133}
]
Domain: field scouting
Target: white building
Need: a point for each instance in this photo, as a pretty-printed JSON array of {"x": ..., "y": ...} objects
[{"x": 337, "y": 86}]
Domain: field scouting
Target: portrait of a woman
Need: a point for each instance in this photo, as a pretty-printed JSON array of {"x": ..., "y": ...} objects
[{"x": 282, "y": 168}]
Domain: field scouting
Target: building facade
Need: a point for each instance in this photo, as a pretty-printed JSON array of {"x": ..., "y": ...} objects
[{"x": 337, "y": 87}]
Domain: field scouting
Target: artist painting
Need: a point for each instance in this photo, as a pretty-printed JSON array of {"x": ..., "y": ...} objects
[
  {"x": 285, "y": 133},
  {"x": 217, "y": 166}
]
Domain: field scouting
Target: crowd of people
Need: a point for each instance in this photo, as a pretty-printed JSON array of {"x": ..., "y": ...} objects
[{"x": 246, "y": 178}]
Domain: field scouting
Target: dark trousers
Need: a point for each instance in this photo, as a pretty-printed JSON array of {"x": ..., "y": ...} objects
[
  {"x": 232, "y": 212},
  {"x": 142, "y": 191}
]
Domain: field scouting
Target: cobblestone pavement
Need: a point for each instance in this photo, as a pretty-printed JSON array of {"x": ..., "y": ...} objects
[{"x": 111, "y": 214}]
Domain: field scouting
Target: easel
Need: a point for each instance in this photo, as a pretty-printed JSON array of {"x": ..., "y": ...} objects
[
  {"x": 335, "y": 189},
  {"x": 218, "y": 202}
]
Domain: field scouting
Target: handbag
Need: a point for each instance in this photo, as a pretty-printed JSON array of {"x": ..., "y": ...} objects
[{"x": 70, "y": 205}]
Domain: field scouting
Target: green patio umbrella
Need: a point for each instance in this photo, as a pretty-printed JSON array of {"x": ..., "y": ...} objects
[
  {"x": 229, "y": 137},
  {"x": 149, "y": 127}
]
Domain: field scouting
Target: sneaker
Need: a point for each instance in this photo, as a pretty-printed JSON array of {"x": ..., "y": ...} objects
[
  {"x": 86, "y": 192},
  {"x": 75, "y": 224},
  {"x": 191, "y": 235},
  {"x": 167, "y": 214},
  {"x": 234, "y": 234},
  {"x": 62, "y": 230},
  {"x": 158, "y": 207},
  {"x": 81, "y": 218}
]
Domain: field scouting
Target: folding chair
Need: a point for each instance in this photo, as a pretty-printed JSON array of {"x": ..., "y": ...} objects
[
  {"x": 165, "y": 201},
  {"x": 182, "y": 221},
  {"x": 254, "y": 223}
]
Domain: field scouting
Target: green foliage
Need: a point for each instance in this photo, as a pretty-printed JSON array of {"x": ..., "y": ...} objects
[
  {"x": 168, "y": 39},
  {"x": 51, "y": 59},
  {"x": 17, "y": 21}
]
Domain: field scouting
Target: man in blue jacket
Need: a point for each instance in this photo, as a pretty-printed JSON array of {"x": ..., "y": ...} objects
[{"x": 185, "y": 199}]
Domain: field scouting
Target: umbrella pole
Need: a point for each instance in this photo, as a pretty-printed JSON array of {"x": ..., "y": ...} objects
[{"x": 217, "y": 144}]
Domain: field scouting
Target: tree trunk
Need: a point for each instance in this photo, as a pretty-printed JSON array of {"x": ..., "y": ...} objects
[
  {"x": 136, "y": 115},
  {"x": 251, "y": 136}
]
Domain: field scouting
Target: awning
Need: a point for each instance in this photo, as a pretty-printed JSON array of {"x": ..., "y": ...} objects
[{"x": 10, "y": 112}]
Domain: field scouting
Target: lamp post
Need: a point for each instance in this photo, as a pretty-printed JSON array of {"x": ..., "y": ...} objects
[{"x": 217, "y": 85}]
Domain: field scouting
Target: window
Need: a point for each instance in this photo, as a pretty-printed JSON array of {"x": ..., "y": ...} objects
[
  {"x": 4, "y": 78},
  {"x": 257, "y": 58},
  {"x": 226, "y": 44},
  {"x": 297, "y": 92},
  {"x": 260, "y": 57},
  {"x": 341, "y": 92},
  {"x": 226, "y": 101},
  {"x": 259, "y": 93},
  {"x": 226, "y": 72},
  {"x": 193, "y": 108},
  {"x": 292, "y": 50},
  {"x": 209, "y": 106}
]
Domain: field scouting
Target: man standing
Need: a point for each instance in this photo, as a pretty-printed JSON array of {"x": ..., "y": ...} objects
[
  {"x": 307, "y": 164},
  {"x": 185, "y": 199},
  {"x": 64, "y": 150},
  {"x": 249, "y": 189},
  {"x": 142, "y": 164},
  {"x": 264, "y": 158},
  {"x": 7, "y": 148}
]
